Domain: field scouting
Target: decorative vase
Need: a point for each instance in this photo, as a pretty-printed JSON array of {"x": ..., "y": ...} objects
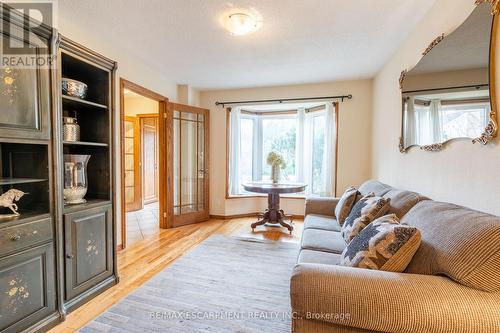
[
  {"x": 275, "y": 173},
  {"x": 75, "y": 178},
  {"x": 71, "y": 129}
]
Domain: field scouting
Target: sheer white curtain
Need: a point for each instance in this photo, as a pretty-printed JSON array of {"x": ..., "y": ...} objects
[
  {"x": 299, "y": 145},
  {"x": 234, "y": 150},
  {"x": 329, "y": 151},
  {"x": 410, "y": 123},
  {"x": 304, "y": 150},
  {"x": 435, "y": 111}
]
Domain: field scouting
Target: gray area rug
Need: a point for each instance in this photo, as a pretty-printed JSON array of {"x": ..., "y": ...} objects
[{"x": 225, "y": 284}]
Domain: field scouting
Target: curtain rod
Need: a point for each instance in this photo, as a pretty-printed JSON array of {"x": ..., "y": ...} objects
[
  {"x": 342, "y": 97},
  {"x": 477, "y": 87}
]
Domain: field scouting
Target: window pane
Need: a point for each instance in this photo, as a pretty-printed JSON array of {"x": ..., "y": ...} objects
[
  {"x": 279, "y": 134},
  {"x": 464, "y": 121},
  {"x": 176, "y": 157},
  {"x": 246, "y": 151},
  {"x": 188, "y": 169},
  {"x": 317, "y": 153}
]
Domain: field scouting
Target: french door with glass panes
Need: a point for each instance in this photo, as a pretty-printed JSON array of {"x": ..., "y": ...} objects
[{"x": 188, "y": 144}]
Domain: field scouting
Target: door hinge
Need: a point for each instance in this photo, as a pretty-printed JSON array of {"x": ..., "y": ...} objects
[
  {"x": 165, "y": 115},
  {"x": 165, "y": 215}
]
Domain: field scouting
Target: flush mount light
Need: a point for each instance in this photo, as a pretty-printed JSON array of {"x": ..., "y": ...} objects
[{"x": 240, "y": 24}]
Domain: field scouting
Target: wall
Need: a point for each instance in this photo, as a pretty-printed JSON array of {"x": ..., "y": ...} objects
[
  {"x": 462, "y": 173},
  {"x": 188, "y": 95},
  {"x": 354, "y": 139},
  {"x": 438, "y": 80},
  {"x": 135, "y": 105}
]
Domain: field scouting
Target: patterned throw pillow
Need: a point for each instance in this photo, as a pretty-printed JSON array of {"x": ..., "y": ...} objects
[
  {"x": 384, "y": 244},
  {"x": 345, "y": 204},
  {"x": 366, "y": 210}
]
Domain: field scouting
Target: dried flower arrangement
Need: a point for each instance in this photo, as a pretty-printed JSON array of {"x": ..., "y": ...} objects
[{"x": 276, "y": 159}]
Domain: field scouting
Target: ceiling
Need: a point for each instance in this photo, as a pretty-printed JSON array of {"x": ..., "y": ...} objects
[{"x": 299, "y": 42}]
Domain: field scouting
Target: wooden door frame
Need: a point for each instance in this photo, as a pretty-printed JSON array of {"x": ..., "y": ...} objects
[
  {"x": 137, "y": 164},
  {"x": 163, "y": 133},
  {"x": 188, "y": 108},
  {"x": 140, "y": 118}
]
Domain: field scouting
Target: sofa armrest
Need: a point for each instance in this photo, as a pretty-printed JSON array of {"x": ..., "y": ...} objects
[
  {"x": 321, "y": 205},
  {"x": 391, "y": 302}
]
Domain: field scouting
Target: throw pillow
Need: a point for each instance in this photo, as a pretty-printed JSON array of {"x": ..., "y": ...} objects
[
  {"x": 384, "y": 245},
  {"x": 366, "y": 210},
  {"x": 345, "y": 204}
]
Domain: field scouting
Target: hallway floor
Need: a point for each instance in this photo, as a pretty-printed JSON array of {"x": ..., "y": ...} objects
[{"x": 142, "y": 223}]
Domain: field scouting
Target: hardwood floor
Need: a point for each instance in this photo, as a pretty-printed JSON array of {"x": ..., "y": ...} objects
[{"x": 142, "y": 260}]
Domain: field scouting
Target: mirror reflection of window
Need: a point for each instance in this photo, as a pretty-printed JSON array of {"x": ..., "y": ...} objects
[
  {"x": 436, "y": 116},
  {"x": 465, "y": 121}
]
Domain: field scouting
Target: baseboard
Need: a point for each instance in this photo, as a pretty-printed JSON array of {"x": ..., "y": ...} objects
[
  {"x": 229, "y": 217},
  {"x": 238, "y": 216}
]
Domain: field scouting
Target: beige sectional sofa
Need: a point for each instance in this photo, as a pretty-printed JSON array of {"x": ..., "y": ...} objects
[{"x": 452, "y": 283}]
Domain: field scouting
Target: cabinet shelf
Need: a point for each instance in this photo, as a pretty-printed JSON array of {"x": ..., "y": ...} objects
[
  {"x": 25, "y": 216},
  {"x": 75, "y": 101},
  {"x": 84, "y": 143},
  {"x": 11, "y": 181},
  {"x": 91, "y": 203}
]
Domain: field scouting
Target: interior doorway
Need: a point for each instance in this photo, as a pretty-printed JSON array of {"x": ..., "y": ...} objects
[{"x": 143, "y": 169}]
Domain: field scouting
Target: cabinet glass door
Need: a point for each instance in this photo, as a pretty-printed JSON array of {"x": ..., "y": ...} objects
[
  {"x": 189, "y": 164},
  {"x": 24, "y": 99}
]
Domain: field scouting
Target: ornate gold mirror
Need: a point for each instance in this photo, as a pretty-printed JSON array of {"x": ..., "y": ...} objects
[{"x": 449, "y": 94}]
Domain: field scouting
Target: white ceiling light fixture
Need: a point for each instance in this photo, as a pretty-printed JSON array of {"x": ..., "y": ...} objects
[{"x": 240, "y": 23}]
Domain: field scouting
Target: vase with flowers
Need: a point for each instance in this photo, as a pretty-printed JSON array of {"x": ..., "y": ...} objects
[{"x": 277, "y": 162}]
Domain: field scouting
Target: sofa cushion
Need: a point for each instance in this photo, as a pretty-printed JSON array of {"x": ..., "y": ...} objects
[
  {"x": 318, "y": 257},
  {"x": 364, "y": 211},
  {"x": 322, "y": 222},
  {"x": 374, "y": 186},
  {"x": 384, "y": 244},
  {"x": 458, "y": 242},
  {"x": 323, "y": 240},
  {"x": 346, "y": 202},
  {"x": 402, "y": 201}
]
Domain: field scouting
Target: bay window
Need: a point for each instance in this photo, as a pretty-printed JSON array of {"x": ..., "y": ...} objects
[{"x": 305, "y": 137}]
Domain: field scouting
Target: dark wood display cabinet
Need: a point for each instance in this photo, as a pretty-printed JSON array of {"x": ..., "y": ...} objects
[
  {"x": 89, "y": 228},
  {"x": 28, "y": 280},
  {"x": 54, "y": 256}
]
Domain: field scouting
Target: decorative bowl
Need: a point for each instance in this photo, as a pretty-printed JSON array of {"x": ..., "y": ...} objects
[{"x": 74, "y": 88}]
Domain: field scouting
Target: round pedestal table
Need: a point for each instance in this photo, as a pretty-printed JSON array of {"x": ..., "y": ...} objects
[{"x": 273, "y": 214}]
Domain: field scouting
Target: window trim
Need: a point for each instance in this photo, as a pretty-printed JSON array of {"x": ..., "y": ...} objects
[{"x": 228, "y": 196}]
